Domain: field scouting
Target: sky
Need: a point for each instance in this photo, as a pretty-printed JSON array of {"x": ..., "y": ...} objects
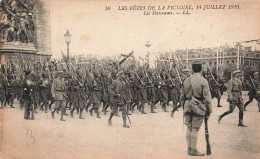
[{"x": 107, "y": 33}]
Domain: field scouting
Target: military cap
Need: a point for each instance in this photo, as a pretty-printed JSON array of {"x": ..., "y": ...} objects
[{"x": 236, "y": 71}]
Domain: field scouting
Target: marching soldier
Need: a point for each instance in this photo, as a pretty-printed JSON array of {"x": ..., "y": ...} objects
[
  {"x": 162, "y": 91},
  {"x": 253, "y": 89},
  {"x": 3, "y": 84},
  {"x": 106, "y": 81},
  {"x": 27, "y": 95},
  {"x": 151, "y": 90},
  {"x": 79, "y": 97},
  {"x": 58, "y": 94},
  {"x": 140, "y": 84},
  {"x": 173, "y": 89},
  {"x": 95, "y": 87},
  {"x": 196, "y": 99},
  {"x": 234, "y": 92},
  {"x": 44, "y": 91},
  {"x": 128, "y": 90},
  {"x": 118, "y": 98},
  {"x": 11, "y": 90},
  {"x": 215, "y": 90}
]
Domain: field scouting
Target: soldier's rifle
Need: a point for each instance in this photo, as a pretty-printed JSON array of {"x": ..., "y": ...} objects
[
  {"x": 211, "y": 72},
  {"x": 207, "y": 135},
  {"x": 178, "y": 72},
  {"x": 253, "y": 83}
]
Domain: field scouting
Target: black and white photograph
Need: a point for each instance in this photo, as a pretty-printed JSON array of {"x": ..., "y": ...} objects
[{"x": 129, "y": 79}]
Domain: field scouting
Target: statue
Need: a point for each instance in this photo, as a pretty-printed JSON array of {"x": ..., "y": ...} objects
[{"x": 16, "y": 21}]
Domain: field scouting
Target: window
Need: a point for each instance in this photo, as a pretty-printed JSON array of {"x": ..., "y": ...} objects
[
  {"x": 233, "y": 61},
  {"x": 227, "y": 62},
  {"x": 210, "y": 63},
  {"x": 203, "y": 63},
  {"x": 215, "y": 63}
]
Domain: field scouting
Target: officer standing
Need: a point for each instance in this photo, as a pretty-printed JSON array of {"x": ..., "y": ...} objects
[
  {"x": 118, "y": 98},
  {"x": 234, "y": 92},
  {"x": 195, "y": 94},
  {"x": 58, "y": 93}
]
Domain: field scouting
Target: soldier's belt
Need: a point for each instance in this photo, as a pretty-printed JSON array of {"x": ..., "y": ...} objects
[{"x": 235, "y": 91}]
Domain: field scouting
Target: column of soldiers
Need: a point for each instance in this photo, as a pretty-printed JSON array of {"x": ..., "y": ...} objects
[{"x": 89, "y": 89}]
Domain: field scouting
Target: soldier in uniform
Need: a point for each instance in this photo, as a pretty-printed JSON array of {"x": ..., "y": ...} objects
[
  {"x": 27, "y": 95},
  {"x": 195, "y": 94},
  {"x": 3, "y": 84},
  {"x": 140, "y": 84},
  {"x": 11, "y": 90},
  {"x": 58, "y": 89},
  {"x": 253, "y": 88},
  {"x": 106, "y": 81},
  {"x": 151, "y": 90},
  {"x": 95, "y": 88},
  {"x": 44, "y": 91},
  {"x": 118, "y": 98},
  {"x": 162, "y": 91},
  {"x": 215, "y": 90},
  {"x": 234, "y": 92},
  {"x": 79, "y": 98},
  {"x": 173, "y": 89},
  {"x": 128, "y": 90}
]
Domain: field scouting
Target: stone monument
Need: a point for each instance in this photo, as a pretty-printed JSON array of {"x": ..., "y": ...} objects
[{"x": 24, "y": 31}]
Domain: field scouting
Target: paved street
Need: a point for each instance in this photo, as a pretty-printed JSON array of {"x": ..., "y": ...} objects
[{"x": 150, "y": 136}]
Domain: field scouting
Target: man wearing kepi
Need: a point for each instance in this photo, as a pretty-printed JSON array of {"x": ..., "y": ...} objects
[
  {"x": 58, "y": 93},
  {"x": 196, "y": 99},
  {"x": 117, "y": 97},
  {"x": 234, "y": 92}
]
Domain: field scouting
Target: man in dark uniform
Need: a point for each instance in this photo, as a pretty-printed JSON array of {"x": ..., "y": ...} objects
[
  {"x": 78, "y": 87},
  {"x": 151, "y": 90},
  {"x": 3, "y": 84},
  {"x": 215, "y": 90},
  {"x": 11, "y": 89},
  {"x": 95, "y": 88},
  {"x": 106, "y": 81},
  {"x": 162, "y": 91},
  {"x": 253, "y": 88},
  {"x": 58, "y": 93},
  {"x": 44, "y": 91},
  {"x": 234, "y": 92},
  {"x": 27, "y": 95},
  {"x": 195, "y": 94},
  {"x": 140, "y": 84},
  {"x": 128, "y": 90},
  {"x": 173, "y": 88},
  {"x": 118, "y": 98}
]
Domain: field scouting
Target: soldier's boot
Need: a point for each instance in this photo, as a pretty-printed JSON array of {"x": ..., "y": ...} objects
[
  {"x": 164, "y": 107},
  {"x": 173, "y": 110},
  {"x": 142, "y": 107},
  {"x": 128, "y": 109},
  {"x": 124, "y": 121},
  {"x": 246, "y": 104},
  {"x": 62, "y": 113},
  {"x": 258, "y": 104},
  {"x": 32, "y": 117},
  {"x": 98, "y": 115},
  {"x": 91, "y": 111},
  {"x": 46, "y": 108},
  {"x": 77, "y": 110},
  {"x": 80, "y": 115},
  {"x": 193, "y": 139},
  {"x": 12, "y": 105},
  {"x": 152, "y": 108},
  {"x": 219, "y": 103},
  {"x": 71, "y": 112},
  {"x": 2, "y": 105},
  {"x": 221, "y": 116},
  {"x": 41, "y": 107},
  {"x": 110, "y": 118},
  {"x": 241, "y": 115},
  {"x": 52, "y": 113}
]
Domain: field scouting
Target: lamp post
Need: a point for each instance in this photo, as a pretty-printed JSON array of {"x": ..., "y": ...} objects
[{"x": 67, "y": 36}]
